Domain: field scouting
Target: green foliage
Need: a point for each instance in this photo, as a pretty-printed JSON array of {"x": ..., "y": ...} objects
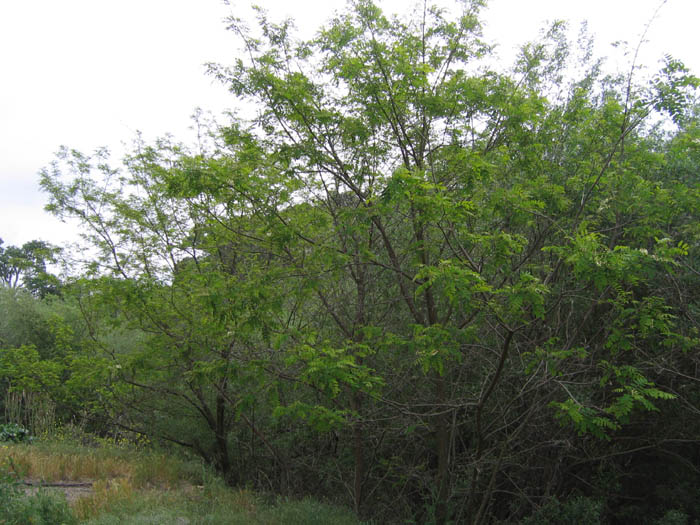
[
  {"x": 586, "y": 420},
  {"x": 635, "y": 392},
  {"x": 14, "y": 433},
  {"x": 26, "y": 267},
  {"x": 19, "y": 508},
  {"x": 397, "y": 276},
  {"x": 581, "y": 510},
  {"x": 319, "y": 418},
  {"x": 675, "y": 89},
  {"x": 307, "y": 511},
  {"x": 673, "y": 517}
]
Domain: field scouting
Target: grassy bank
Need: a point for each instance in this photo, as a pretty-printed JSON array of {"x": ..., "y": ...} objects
[{"x": 118, "y": 484}]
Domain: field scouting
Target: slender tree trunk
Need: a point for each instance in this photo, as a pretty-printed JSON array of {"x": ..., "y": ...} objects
[
  {"x": 221, "y": 435},
  {"x": 442, "y": 445},
  {"x": 359, "y": 455}
]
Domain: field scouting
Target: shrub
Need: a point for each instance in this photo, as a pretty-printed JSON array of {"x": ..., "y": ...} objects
[
  {"x": 673, "y": 517},
  {"x": 579, "y": 510},
  {"x": 14, "y": 433}
]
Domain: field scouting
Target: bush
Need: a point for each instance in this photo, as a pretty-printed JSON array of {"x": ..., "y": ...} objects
[
  {"x": 579, "y": 510},
  {"x": 307, "y": 512},
  {"x": 14, "y": 433},
  {"x": 673, "y": 517}
]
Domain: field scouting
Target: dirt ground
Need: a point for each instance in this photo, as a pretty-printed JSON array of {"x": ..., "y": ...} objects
[{"x": 72, "y": 490}]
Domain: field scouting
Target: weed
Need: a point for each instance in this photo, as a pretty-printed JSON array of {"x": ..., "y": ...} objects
[
  {"x": 134, "y": 485},
  {"x": 106, "y": 495},
  {"x": 19, "y": 508},
  {"x": 13, "y": 433}
]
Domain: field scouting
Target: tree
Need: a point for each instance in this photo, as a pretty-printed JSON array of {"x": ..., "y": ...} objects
[
  {"x": 26, "y": 266},
  {"x": 406, "y": 270}
]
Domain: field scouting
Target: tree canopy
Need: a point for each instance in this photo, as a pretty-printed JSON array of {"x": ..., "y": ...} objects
[{"x": 25, "y": 266}]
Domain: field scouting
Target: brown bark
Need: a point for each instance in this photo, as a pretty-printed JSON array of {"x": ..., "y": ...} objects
[{"x": 359, "y": 455}]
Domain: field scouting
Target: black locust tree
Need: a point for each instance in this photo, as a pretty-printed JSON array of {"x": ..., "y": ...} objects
[{"x": 405, "y": 270}]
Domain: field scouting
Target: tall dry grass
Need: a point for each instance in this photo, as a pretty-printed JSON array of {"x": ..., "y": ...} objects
[
  {"x": 138, "y": 485},
  {"x": 58, "y": 462}
]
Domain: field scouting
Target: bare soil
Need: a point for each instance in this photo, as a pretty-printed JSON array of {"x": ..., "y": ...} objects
[{"x": 72, "y": 489}]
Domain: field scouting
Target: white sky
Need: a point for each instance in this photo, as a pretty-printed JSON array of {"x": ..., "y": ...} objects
[{"x": 89, "y": 73}]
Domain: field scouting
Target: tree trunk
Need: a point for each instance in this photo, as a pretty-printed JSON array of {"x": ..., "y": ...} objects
[
  {"x": 442, "y": 449},
  {"x": 359, "y": 455}
]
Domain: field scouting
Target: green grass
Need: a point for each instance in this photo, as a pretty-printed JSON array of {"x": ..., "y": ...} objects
[
  {"x": 237, "y": 509},
  {"x": 141, "y": 486}
]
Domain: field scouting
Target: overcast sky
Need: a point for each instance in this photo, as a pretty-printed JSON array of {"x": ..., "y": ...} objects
[{"x": 89, "y": 73}]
